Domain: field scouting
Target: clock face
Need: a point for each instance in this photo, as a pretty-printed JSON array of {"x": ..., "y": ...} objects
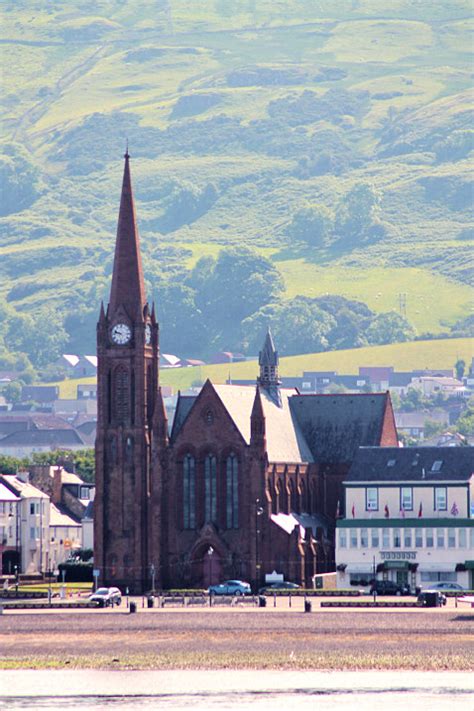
[
  {"x": 121, "y": 333},
  {"x": 148, "y": 334}
]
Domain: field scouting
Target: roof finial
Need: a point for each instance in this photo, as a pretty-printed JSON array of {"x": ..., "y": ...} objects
[{"x": 126, "y": 154}]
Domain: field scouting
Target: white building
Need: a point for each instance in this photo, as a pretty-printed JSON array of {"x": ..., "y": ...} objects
[
  {"x": 409, "y": 517},
  {"x": 65, "y": 536},
  {"x": 9, "y": 530},
  {"x": 33, "y": 523}
]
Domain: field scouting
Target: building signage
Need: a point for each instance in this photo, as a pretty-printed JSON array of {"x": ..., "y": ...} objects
[{"x": 398, "y": 555}]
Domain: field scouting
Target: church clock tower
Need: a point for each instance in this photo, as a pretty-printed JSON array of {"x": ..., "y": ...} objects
[{"x": 127, "y": 380}]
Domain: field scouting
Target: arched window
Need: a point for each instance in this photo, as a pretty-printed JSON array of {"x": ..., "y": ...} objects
[
  {"x": 122, "y": 394},
  {"x": 189, "y": 492},
  {"x": 293, "y": 504},
  {"x": 112, "y": 565},
  {"x": 303, "y": 501},
  {"x": 232, "y": 491},
  {"x": 210, "y": 487}
]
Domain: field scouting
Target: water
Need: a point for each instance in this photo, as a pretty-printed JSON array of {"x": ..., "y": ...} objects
[{"x": 224, "y": 690}]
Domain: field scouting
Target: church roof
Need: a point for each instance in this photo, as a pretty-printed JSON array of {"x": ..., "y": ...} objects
[
  {"x": 302, "y": 428},
  {"x": 334, "y": 426},
  {"x": 183, "y": 407}
]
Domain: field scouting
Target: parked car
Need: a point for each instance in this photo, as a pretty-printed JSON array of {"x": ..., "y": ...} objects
[
  {"x": 284, "y": 585},
  {"x": 443, "y": 587},
  {"x": 431, "y": 598},
  {"x": 389, "y": 587},
  {"x": 106, "y": 597},
  {"x": 231, "y": 587}
]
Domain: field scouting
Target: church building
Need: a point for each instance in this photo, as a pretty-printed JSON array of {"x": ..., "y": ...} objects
[{"x": 245, "y": 481}]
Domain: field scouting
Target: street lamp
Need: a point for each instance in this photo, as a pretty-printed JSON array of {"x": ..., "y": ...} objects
[
  {"x": 258, "y": 513},
  {"x": 210, "y": 553},
  {"x": 152, "y": 572}
]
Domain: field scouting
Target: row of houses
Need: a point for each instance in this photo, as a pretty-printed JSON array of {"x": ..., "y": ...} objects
[
  {"x": 380, "y": 379},
  {"x": 45, "y": 516}
]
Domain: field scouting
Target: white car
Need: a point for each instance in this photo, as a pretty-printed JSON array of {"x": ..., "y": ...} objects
[
  {"x": 445, "y": 587},
  {"x": 106, "y": 597}
]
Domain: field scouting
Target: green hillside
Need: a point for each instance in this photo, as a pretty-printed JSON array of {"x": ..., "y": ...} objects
[
  {"x": 440, "y": 354},
  {"x": 239, "y": 114}
]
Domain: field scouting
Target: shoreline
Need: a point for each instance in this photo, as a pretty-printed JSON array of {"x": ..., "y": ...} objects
[{"x": 239, "y": 639}]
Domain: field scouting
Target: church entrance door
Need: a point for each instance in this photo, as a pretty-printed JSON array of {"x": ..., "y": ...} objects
[{"x": 207, "y": 567}]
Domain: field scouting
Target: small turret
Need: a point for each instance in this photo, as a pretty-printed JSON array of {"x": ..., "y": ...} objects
[{"x": 268, "y": 361}]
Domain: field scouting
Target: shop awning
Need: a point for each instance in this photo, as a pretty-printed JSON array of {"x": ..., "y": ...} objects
[
  {"x": 396, "y": 564},
  {"x": 469, "y": 564}
]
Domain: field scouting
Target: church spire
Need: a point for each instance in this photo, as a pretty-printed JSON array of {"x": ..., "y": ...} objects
[{"x": 128, "y": 289}]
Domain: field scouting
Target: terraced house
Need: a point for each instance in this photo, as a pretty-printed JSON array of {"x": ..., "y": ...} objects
[
  {"x": 409, "y": 517},
  {"x": 245, "y": 481}
]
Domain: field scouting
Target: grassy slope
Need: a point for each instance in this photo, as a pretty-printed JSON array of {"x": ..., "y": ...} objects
[
  {"x": 420, "y": 52},
  {"x": 402, "y": 356}
]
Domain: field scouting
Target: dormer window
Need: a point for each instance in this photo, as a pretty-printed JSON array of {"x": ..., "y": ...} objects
[{"x": 437, "y": 465}]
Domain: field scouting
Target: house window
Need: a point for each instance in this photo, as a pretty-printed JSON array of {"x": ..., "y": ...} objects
[
  {"x": 210, "y": 487},
  {"x": 397, "y": 540},
  {"x": 406, "y": 498},
  {"x": 372, "y": 499},
  {"x": 471, "y": 536},
  {"x": 342, "y": 538},
  {"x": 232, "y": 493},
  {"x": 451, "y": 538},
  {"x": 429, "y": 538},
  {"x": 418, "y": 537},
  {"x": 440, "y": 538},
  {"x": 375, "y": 537},
  {"x": 407, "y": 537},
  {"x": 364, "y": 538},
  {"x": 462, "y": 538},
  {"x": 189, "y": 492},
  {"x": 440, "y": 501},
  {"x": 32, "y": 533},
  {"x": 385, "y": 537},
  {"x": 84, "y": 492},
  {"x": 353, "y": 537},
  {"x": 32, "y": 509}
]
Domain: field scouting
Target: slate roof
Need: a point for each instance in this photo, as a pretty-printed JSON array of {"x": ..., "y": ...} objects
[
  {"x": 412, "y": 464},
  {"x": 59, "y": 516},
  {"x": 302, "y": 428},
  {"x": 23, "y": 488},
  {"x": 335, "y": 426},
  {"x": 285, "y": 442},
  {"x": 42, "y": 437},
  {"x": 183, "y": 406}
]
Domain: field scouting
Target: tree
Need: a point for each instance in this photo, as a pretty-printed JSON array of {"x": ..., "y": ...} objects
[
  {"x": 357, "y": 211},
  {"x": 19, "y": 179},
  {"x": 389, "y": 327},
  {"x": 231, "y": 288},
  {"x": 460, "y": 367},
  {"x": 312, "y": 225},
  {"x": 10, "y": 465},
  {"x": 298, "y": 326}
]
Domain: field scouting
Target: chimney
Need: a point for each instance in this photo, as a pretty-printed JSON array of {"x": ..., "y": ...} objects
[{"x": 57, "y": 485}]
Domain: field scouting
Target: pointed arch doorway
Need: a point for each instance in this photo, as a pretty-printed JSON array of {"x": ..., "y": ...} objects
[{"x": 207, "y": 566}]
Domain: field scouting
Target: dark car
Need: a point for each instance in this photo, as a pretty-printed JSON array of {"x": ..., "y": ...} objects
[
  {"x": 285, "y": 586},
  {"x": 231, "y": 587},
  {"x": 389, "y": 587},
  {"x": 431, "y": 598},
  {"x": 106, "y": 597}
]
